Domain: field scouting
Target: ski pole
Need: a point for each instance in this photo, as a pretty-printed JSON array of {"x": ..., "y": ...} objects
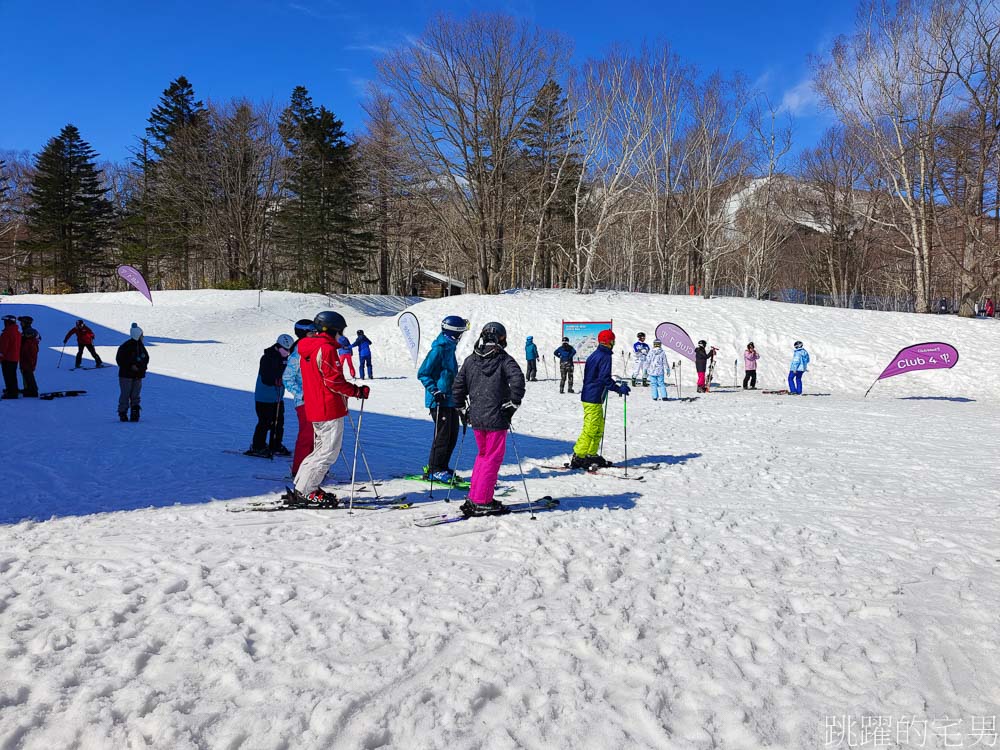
[
  {"x": 531, "y": 505},
  {"x": 735, "y": 376},
  {"x": 61, "y": 353},
  {"x": 546, "y": 365},
  {"x": 604, "y": 419},
  {"x": 625, "y": 427},
  {"x": 461, "y": 445},
  {"x": 357, "y": 442},
  {"x": 364, "y": 458},
  {"x": 430, "y": 460}
]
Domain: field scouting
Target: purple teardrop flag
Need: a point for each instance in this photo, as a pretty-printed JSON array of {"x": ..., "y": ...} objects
[
  {"x": 676, "y": 339},
  {"x": 933, "y": 355},
  {"x": 133, "y": 277}
]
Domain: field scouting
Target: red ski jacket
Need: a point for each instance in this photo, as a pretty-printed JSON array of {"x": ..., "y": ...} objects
[
  {"x": 324, "y": 388},
  {"x": 83, "y": 333},
  {"x": 29, "y": 351},
  {"x": 10, "y": 343}
]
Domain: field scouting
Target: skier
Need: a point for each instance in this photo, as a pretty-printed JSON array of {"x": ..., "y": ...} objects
[
  {"x": 493, "y": 384},
  {"x": 750, "y": 357},
  {"x": 364, "y": 346},
  {"x": 640, "y": 350},
  {"x": 531, "y": 354},
  {"x": 292, "y": 380},
  {"x": 566, "y": 355},
  {"x": 30, "y": 340},
  {"x": 10, "y": 354},
  {"x": 437, "y": 373},
  {"x": 597, "y": 381},
  {"x": 346, "y": 354},
  {"x": 325, "y": 393},
  {"x": 84, "y": 340},
  {"x": 800, "y": 363},
  {"x": 133, "y": 361},
  {"x": 990, "y": 309},
  {"x": 701, "y": 357},
  {"x": 658, "y": 368},
  {"x": 269, "y": 397}
]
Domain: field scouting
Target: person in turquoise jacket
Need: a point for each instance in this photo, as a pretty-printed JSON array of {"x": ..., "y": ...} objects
[
  {"x": 437, "y": 374},
  {"x": 800, "y": 363},
  {"x": 531, "y": 354},
  {"x": 292, "y": 379}
]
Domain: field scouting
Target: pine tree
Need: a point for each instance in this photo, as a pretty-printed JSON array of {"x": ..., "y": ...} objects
[
  {"x": 70, "y": 217},
  {"x": 177, "y": 109}
]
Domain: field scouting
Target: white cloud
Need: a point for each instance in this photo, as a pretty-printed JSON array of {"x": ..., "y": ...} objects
[{"x": 800, "y": 99}]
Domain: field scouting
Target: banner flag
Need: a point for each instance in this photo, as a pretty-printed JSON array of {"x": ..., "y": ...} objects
[
  {"x": 409, "y": 326},
  {"x": 933, "y": 355},
  {"x": 676, "y": 339},
  {"x": 582, "y": 336},
  {"x": 133, "y": 277}
]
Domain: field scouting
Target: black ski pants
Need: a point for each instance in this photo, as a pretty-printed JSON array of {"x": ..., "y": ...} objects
[
  {"x": 30, "y": 384},
  {"x": 9, "y": 379},
  {"x": 565, "y": 375},
  {"x": 445, "y": 436},
  {"x": 750, "y": 379},
  {"x": 93, "y": 353},
  {"x": 532, "y": 370},
  {"x": 270, "y": 418}
]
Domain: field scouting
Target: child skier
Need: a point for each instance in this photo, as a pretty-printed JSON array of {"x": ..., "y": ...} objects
[
  {"x": 800, "y": 363},
  {"x": 30, "y": 341},
  {"x": 133, "y": 361},
  {"x": 531, "y": 354},
  {"x": 269, "y": 395},
  {"x": 84, "y": 340},
  {"x": 597, "y": 381},
  {"x": 437, "y": 373},
  {"x": 493, "y": 384},
  {"x": 10, "y": 355},
  {"x": 701, "y": 357},
  {"x": 346, "y": 354},
  {"x": 292, "y": 380},
  {"x": 324, "y": 391},
  {"x": 640, "y": 350},
  {"x": 566, "y": 355},
  {"x": 657, "y": 368},
  {"x": 750, "y": 357},
  {"x": 364, "y": 346}
]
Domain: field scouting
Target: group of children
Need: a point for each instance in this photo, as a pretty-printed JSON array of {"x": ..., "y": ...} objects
[{"x": 19, "y": 350}]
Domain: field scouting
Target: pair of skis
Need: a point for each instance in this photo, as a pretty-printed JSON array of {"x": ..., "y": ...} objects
[
  {"x": 439, "y": 519},
  {"x": 285, "y": 502}
]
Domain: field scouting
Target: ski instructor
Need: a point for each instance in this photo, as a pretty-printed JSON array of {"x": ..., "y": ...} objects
[
  {"x": 325, "y": 393},
  {"x": 597, "y": 381}
]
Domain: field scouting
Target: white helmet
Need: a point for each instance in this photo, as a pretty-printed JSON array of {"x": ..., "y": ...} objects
[{"x": 285, "y": 341}]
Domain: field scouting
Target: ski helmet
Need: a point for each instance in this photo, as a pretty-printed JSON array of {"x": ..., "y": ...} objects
[
  {"x": 360, "y": 332},
  {"x": 454, "y": 326},
  {"x": 750, "y": 345},
  {"x": 656, "y": 342},
  {"x": 303, "y": 328},
  {"x": 798, "y": 344},
  {"x": 607, "y": 336},
  {"x": 285, "y": 341},
  {"x": 329, "y": 321},
  {"x": 26, "y": 319},
  {"x": 494, "y": 334},
  {"x": 565, "y": 339},
  {"x": 703, "y": 343},
  {"x": 640, "y": 335},
  {"x": 10, "y": 318}
]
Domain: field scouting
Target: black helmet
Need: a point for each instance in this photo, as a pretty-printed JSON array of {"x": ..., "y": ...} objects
[
  {"x": 703, "y": 343},
  {"x": 798, "y": 344},
  {"x": 494, "y": 334},
  {"x": 565, "y": 339},
  {"x": 329, "y": 321},
  {"x": 640, "y": 335},
  {"x": 750, "y": 345},
  {"x": 360, "y": 332},
  {"x": 303, "y": 328}
]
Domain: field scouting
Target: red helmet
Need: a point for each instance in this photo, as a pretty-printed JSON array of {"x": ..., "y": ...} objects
[{"x": 607, "y": 336}]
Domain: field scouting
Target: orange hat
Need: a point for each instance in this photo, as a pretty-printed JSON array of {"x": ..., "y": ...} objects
[{"x": 606, "y": 336}]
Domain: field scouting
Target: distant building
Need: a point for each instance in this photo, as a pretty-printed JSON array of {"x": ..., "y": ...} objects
[{"x": 432, "y": 285}]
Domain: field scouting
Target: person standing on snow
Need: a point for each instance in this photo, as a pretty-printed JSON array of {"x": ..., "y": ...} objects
[
  {"x": 990, "y": 309},
  {"x": 364, "y": 346},
  {"x": 133, "y": 361},
  {"x": 750, "y": 357},
  {"x": 345, "y": 353},
  {"x": 292, "y": 380},
  {"x": 493, "y": 384},
  {"x": 325, "y": 392},
  {"x": 640, "y": 350},
  {"x": 530, "y": 354},
  {"x": 84, "y": 340},
  {"x": 800, "y": 363},
  {"x": 657, "y": 369},
  {"x": 10, "y": 355},
  {"x": 597, "y": 381},
  {"x": 437, "y": 373},
  {"x": 269, "y": 397},
  {"x": 702, "y": 355},
  {"x": 566, "y": 355},
  {"x": 30, "y": 341}
]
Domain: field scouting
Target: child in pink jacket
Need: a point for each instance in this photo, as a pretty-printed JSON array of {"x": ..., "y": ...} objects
[{"x": 750, "y": 357}]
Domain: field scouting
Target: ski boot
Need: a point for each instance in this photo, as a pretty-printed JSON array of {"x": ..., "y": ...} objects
[
  {"x": 123, "y": 416},
  {"x": 492, "y": 508},
  {"x": 599, "y": 462},
  {"x": 258, "y": 452},
  {"x": 645, "y": 383},
  {"x": 134, "y": 416},
  {"x": 280, "y": 451}
]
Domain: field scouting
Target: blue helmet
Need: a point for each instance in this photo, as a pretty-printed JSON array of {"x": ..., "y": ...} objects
[{"x": 454, "y": 326}]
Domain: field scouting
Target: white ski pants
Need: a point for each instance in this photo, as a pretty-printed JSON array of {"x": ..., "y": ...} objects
[
  {"x": 638, "y": 365},
  {"x": 327, "y": 437}
]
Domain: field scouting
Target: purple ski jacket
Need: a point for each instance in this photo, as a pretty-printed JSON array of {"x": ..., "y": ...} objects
[{"x": 750, "y": 359}]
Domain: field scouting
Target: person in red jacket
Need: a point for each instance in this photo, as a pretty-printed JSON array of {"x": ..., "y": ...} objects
[
  {"x": 84, "y": 340},
  {"x": 325, "y": 392},
  {"x": 10, "y": 353},
  {"x": 30, "y": 341}
]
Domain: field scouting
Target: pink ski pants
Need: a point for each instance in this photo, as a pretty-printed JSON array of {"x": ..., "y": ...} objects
[{"x": 492, "y": 446}]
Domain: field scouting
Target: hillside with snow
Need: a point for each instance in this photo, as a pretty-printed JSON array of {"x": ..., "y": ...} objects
[{"x": 793, "y": 567}]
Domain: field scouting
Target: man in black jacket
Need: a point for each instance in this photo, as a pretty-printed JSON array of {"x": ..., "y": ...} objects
[
  {"x": 133, "y": 360},
  {"x": 492, "y": 382}
]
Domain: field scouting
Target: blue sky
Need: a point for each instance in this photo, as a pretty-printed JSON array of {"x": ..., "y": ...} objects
[{"x": 102, "y": 64}]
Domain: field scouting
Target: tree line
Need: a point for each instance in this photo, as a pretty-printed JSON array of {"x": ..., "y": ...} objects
[{"x": 488, "y": 156}]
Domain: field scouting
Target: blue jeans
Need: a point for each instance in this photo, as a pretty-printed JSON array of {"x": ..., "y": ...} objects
[
  {"x": 657, "y": 387},
  {"x": 795, "y": 382}
]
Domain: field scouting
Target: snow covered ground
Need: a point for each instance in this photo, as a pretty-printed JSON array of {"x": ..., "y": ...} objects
[{"x": 800, "y": 573}]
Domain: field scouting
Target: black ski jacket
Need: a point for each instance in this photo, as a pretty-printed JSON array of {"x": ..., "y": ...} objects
[
  {"x": 132, "y": 359},
  {"x": 488, "y": 382},
  {"x": 701, "y": 358}
]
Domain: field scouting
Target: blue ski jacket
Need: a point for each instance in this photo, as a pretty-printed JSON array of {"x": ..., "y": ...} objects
[
  {"x": 800, "y": 361},
  {"x": 292, "y": 378},
  {"x": 530, "y": 349},
  {"x": 438, "y": 371},
  {"x": 565, "y": 353},
  {"x": 363, "y": 345},
  {"x": 344, "y": 345},
  {"x": 597, "y": 378}
]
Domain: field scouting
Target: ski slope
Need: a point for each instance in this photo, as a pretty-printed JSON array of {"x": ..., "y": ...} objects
[{"x": 794, "y": 567}]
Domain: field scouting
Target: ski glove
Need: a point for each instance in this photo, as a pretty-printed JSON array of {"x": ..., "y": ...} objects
[
  {"x": 439, "y": 396},
  {"x": 363, "y": 391},
  {"x": 508, "y": 410},
  {"x": 624, "y": 390}
]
